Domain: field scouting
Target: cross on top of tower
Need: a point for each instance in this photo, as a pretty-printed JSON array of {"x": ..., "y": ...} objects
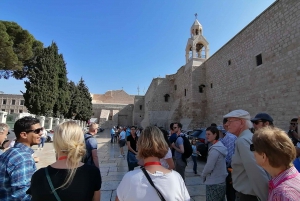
[{"x": 196, "y": 15}]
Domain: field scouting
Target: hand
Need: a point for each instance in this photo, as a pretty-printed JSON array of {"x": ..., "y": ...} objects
[
  {"x": 173, "y": 145},
  {"x": 292, "y": 127}
]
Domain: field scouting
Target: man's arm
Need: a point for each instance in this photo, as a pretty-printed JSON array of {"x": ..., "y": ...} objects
[
  {"x": 257, "y": 176},
  {"x": 20, "y": 177},
  {"x": 95, "y": 157},
  {"x": 93, "y": 144},
  {"x": 180, "y": 143}
]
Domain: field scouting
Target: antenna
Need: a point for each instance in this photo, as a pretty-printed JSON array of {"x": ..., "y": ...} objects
[{"x": 138, "y": 88}]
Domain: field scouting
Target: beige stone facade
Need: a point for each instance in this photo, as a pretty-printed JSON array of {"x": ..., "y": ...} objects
[
  {"x": 258, "y": 70},
  {"x": 12, "y": 103}
]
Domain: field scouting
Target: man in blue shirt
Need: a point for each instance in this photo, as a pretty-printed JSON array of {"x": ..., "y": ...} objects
[
  {"x": 16, "y": 164},
  {"x": 91, "y": 145},
  {"x": 112, "y": 133}
]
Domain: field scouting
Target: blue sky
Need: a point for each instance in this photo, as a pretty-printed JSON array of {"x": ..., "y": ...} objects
[{"x": 115, "y": 44}]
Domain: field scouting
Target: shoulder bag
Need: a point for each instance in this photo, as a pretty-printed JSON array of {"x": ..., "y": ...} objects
[
  {"x": 51, "y": 185},
  {"x": 152, "y": 184}
]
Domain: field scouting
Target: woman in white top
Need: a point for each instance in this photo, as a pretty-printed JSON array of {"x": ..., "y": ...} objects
[
  {"x": 135, "y": 185},
  {"x": 167, "y": 160}
]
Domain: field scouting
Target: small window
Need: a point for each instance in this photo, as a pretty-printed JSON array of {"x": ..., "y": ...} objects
[
  {"x": 175, "y": 87},
  {"x": 200, "y": 89},
  {"x": 20, "y": 111},
  {"x": 141, "y": 107},
  {"x": 12, "y": 111},
  {"x": 211, "y": 85},
  {"x": 4, "y": 101},
  {"x": 229, "y": 62},
  {"x": 184, "y": 92},
  {"x": 3, "y": 110},
  {"x": 166, "y": 97},
  {"x": 110, "y": 117},
  {"x": 13, "y": 102},
  {"x": 258, "y": 60},
  {"x": 21, "y": 102}
]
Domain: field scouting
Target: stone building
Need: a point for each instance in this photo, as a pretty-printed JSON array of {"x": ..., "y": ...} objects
[
  {"x": 12, "y": 103},
  {"x": 258, "y": 70},
  {"x": 116, "y": 107}
]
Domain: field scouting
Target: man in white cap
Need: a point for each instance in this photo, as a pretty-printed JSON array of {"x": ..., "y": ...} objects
[{"x": 249, "y": 180}]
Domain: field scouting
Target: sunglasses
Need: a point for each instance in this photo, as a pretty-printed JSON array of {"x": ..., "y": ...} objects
[
  {"x": 293, "y": 124},
  {"x": 36, "y": 131},
  {"x": 256, "y": 122},
  {"x": 252, "y": 148}
]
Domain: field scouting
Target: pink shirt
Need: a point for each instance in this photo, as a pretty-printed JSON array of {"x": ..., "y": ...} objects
[{"x": 286, "y": 186}]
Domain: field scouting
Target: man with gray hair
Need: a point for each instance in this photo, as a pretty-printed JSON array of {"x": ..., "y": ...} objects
[
  {"x": 249, "y": 180},
  {"x": 3, "y": 134}
]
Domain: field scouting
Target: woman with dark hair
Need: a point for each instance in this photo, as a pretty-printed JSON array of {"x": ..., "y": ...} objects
[{"x": 214, "y": 173}]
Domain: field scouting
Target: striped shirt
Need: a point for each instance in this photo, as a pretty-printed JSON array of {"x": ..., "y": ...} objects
[
  {"x": 229, "y": 142},
  {"x": 286, "y": 186},
  {"x": 16, "y": 169}
]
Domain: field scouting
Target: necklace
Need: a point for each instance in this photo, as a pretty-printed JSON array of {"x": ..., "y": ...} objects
[
  {"x": 62, "y": 158},
  {"x": 152, "y": 163}
]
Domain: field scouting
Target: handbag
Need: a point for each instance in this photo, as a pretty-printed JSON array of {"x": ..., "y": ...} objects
[
  {"x": 152, "y": 184},
  {"x": 51, "y": 185}
]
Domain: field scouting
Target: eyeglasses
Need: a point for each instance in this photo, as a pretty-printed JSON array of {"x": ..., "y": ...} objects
[
  {"x": 256, "y": 122},
  {"x": 293, "y": 124},
  {"x": 252, "y": 148},
  {"x": 36, "y": 131},
  {"x": 230, "y": 121},
  {"x": 175, "y": 127}
]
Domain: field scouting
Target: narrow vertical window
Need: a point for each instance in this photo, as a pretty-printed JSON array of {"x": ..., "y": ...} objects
[
  {"x": 141, "y": 107},
  {"x": 211, "y": 85},
  {"x": 175, "y": 87},
  {"x": 258, "y": 60},
  {"x": 184, "y": 92}
]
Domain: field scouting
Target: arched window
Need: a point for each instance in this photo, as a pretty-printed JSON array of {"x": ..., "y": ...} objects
[{"x": 167, "y": 96}]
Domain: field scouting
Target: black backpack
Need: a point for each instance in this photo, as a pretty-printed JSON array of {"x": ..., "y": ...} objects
[
  {"x": 86, "y": 158},
  {"x": 187, "y": 147}
]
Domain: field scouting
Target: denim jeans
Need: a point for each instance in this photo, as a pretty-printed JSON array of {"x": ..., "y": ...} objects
[
  {"x": 195, "y": 163},
  {"x": 112, "y": 138},
  {"x": 43, "y": 139}
]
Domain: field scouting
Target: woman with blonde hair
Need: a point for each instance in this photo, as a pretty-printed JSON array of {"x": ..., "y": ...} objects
[
  {"x": 274, "y": 151},
  {"x": 68, "y": 178},
  {"x": 153, "y": 181}
]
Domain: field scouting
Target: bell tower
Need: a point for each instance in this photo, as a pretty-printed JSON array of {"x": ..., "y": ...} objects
[{"x": 197, "y": 49}]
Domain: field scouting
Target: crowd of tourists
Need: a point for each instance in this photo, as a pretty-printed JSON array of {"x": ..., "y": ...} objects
[{"x": 241, "y": 165}]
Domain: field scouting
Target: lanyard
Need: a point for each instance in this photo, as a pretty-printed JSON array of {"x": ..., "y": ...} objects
[
  {"x": 62, "y": 158},
  {"x": 152, "y": 163}
]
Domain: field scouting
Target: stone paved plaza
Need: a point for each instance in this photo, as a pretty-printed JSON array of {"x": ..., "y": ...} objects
[{"x": 114, "y": 168}]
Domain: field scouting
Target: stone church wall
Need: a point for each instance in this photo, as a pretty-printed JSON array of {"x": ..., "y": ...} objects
[
  {"x": 232, "y": 79},
  {"x": 271, "y": 87}
]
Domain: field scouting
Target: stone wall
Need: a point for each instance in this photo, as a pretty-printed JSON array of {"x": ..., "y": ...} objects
[
  {"x": 271, "y": 87},
  {"x": 113, "y": 97},
  {"x": 233, "y": 79},
  {"x": 12, "y": 103}
]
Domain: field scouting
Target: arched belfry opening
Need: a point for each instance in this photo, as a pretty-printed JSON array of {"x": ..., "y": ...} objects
[{"x": 197, "y": 47}]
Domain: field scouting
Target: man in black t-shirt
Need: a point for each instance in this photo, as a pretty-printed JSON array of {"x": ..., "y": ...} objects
[{"x": 132, "y": 149}]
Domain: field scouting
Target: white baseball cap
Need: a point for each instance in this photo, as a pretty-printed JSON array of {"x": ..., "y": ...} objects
[{"x": 242, "y": 114}]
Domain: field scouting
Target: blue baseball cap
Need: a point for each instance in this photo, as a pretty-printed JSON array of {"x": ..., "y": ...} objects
[{"x": 262, "y": 116}]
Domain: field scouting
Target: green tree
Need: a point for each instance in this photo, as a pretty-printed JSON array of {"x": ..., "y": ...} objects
[
  {"x": 75, "y": 103},
  {"x": 63, "y": 101},
  {"x": 42, "y": 85},
  {"x": 16, "y": 47},
  {"x": 86, "y": 109}
]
